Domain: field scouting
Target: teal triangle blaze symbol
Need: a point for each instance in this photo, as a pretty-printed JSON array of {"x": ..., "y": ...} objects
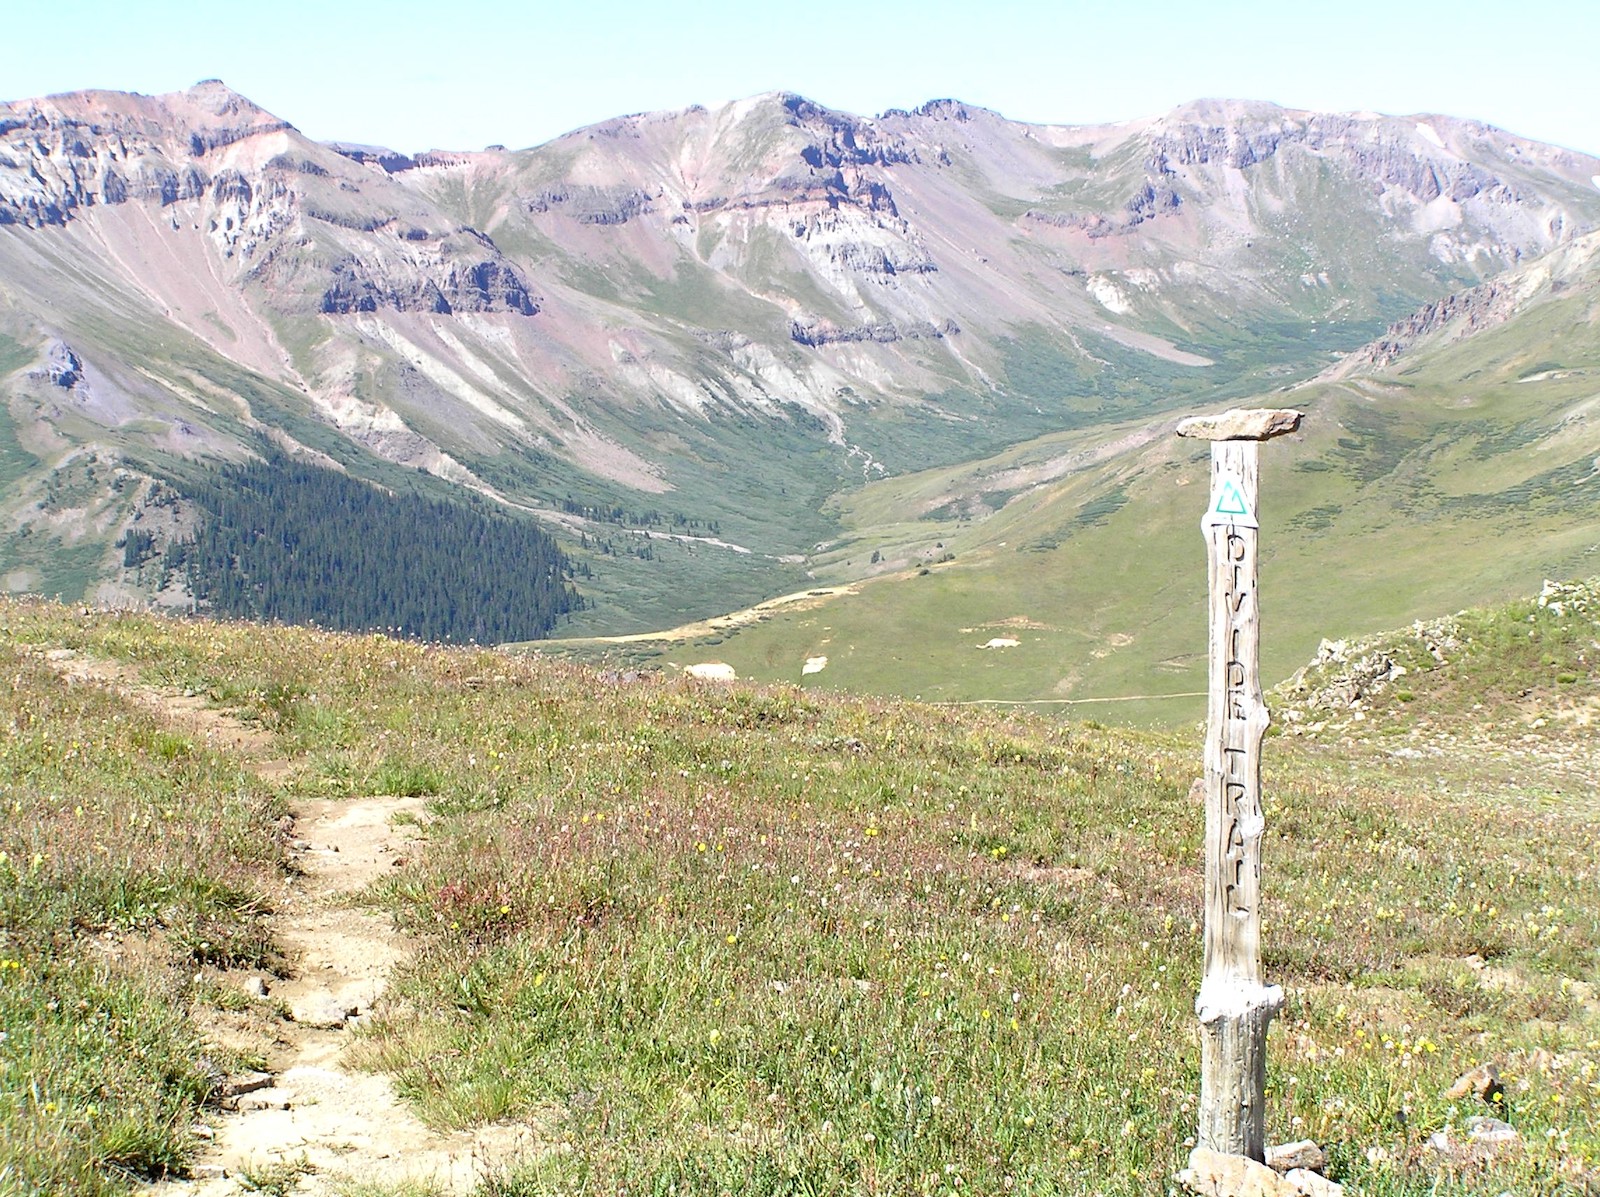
[
  {"x": 1229, "y": 508},
  {"x": 1231, "y": 500}
]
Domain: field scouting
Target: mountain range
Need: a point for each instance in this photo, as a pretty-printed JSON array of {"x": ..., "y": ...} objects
[{"x": 729, "y": 352}]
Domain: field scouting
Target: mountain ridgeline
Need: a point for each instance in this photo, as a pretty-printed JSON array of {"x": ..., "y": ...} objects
[{"x": 754, "y": 316}]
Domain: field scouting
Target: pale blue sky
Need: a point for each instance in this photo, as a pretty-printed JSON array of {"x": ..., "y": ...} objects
[{"x": 464, "y": 73}]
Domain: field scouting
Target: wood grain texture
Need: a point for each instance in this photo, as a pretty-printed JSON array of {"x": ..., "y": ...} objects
[{"x": 1234, "y": 1006}]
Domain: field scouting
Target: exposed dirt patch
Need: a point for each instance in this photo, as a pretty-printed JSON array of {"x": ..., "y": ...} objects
[
  {"x": 801, "y": 600},
  {"x": 1059, "y": 875}
]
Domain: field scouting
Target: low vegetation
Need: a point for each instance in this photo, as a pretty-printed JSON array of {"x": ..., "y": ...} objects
[
  {"x": 131, "y": 856},
  {"x": 1513, "y": 685},
  {"x": 710, "y": 938}
]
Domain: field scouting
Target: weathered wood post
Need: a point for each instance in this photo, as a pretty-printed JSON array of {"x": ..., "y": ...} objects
[{"x": 1234, "y": 1005}]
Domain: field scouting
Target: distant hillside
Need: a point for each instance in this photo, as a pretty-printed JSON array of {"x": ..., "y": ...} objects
[
  {"x": 1460, "y": 465},
  {"x": 288, "y": 542},
  {"x": 670, "y": 322}
]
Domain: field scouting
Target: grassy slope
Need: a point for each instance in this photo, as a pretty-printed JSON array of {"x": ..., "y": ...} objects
[
  {"x": 758, "y": 939},
  {"x": 1515, "y": 683},
  {"x": 132, "y": 858},
  {"x": 1462, "y": 474}
]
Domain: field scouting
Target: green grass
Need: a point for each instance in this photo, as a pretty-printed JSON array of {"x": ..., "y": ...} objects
[
  {"x": 16, "y": 463},
  {"x": 131, "y": 857},
  {"x": 713, "y": 938}
]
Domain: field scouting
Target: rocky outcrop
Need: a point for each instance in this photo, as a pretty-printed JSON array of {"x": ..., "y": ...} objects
[
  {"x": 62, "y": 367},
  {"x": 1194, "y": 144},
  {"x": 593, "y": 205},
  {"x": 839, "y": 139},
  {"x": 389, "y": 161},
  {"x": 1344, "y": 677},
  {"x": 1391, "y": 161},
  {"x": 950, "y": 110},
  {"x": 863, "y": 258},
  {"x": 67, "y": 153},
  {"x": 77, "y": 182},
  {"x": 815, "y": 333},
  {"x": 486, "y": 286},
  {"x": 279, "y": 216},
  {"x": 1369, "y": 148},
  {"x": 1467, "y": 311},
  {"x": 1154, "y": 199}
]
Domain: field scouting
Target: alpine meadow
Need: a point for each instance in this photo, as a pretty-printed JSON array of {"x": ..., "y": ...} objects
[{"x": 672, "y": 661}]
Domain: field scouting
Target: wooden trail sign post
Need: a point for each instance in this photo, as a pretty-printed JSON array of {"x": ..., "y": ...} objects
[{"x": 1234, "y": 1005}]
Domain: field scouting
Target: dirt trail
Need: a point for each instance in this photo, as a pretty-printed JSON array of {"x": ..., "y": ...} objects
[
  {"x": 340, "y": 1123},
  {"x": 218, "y": 729},
  {"x": 308, "y": 1120}
]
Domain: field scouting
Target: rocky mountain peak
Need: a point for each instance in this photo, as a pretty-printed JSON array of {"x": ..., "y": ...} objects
[
  {"x": 307, "y": 225},
  {"x": 954, "y": 110},
  {"x": 217, "y": 97}
]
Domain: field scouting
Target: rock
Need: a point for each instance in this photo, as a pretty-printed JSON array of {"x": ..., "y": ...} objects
[
  {"x": 1242, "y": 424},
  {"x": 256, "y": 987},
  {"x": 265, "y": 1100},
  {"x": 63, "y": 367},
  {"x": 1491, "y": 1132},
  {"x": 1485, "y": 1137},
  {"x": 1306, "y": 1183},
  {"x": 1305, "y": 1154},
  {"x": 814, "y": 332},
  {"x": 208, "y": 1172},
  {"x": 245, "y": 1082},
  {"x": 321, "y": 1010},
  {"x": 1482, "y": 1082},
  {"x": 1482, "y": 306},
  {"x": 1214, "y": 1174}
]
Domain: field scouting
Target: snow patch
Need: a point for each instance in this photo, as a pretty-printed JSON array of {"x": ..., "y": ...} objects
[
  {"x": 814, "y": 665},
  {"x": 1001, "y": 642},
  {"x": 1595, "y": 179},
  {"x": 1108, "y": 295},
  {"x": 1429, "y": 133}
]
